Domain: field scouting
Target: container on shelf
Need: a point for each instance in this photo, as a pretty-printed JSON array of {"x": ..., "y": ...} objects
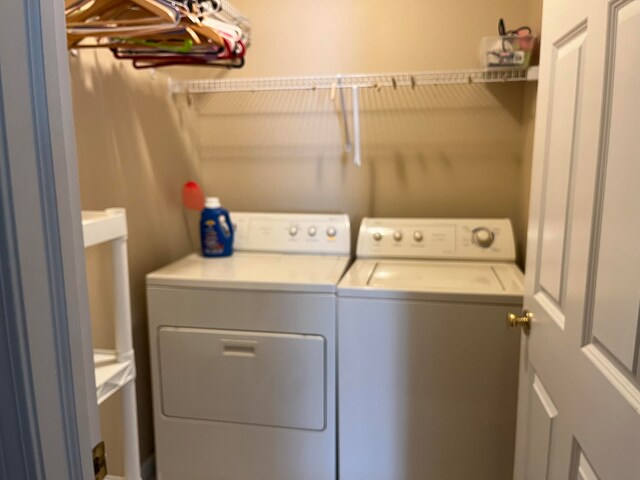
[{"x": 512, "y": 51}]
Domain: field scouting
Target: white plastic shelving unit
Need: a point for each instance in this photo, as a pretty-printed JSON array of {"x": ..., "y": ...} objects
[{"x": 115, "y": 369}]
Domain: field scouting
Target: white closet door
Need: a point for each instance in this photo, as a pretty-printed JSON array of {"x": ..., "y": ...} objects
[{"x": 579, "y": 394}]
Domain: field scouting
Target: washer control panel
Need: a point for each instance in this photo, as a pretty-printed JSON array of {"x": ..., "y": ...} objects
[
  {"x": 292, "y": 233},
  {"x": 464, "y": 239}
]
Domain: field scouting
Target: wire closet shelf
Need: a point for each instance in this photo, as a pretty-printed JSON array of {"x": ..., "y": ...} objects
[{"x": 379, "y": 81}]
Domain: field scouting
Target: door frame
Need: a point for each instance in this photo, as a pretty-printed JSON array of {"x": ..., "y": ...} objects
[{"x": 48, "y": 412}]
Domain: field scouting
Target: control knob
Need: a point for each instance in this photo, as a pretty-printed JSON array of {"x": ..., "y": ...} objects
[
  {"x": 293, "y": 230},
  {"x": 397, "y": 235},
  {"x": 377, "y": 236},
  {"x": 482, "y": 237},
  {"x": 312, "y": 231},
  {"x": 331, "y": 232},
  {"x": 417, "y": 236}
]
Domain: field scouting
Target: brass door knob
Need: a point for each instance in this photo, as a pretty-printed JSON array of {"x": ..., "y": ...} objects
[{"x": 524, "y": 321}]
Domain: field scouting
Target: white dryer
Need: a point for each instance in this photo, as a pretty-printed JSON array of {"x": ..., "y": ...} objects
[
  {"x": 427, "y": 369},
  {"x": 243, "y": 353}
]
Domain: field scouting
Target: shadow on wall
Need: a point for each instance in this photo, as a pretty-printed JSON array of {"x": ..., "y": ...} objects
[
  {"x": 133, "y": 152},
  {"x": 432, "y": 151}
]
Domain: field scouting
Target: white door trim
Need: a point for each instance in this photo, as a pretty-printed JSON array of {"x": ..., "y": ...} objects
[{"x": 45, "y": 323}]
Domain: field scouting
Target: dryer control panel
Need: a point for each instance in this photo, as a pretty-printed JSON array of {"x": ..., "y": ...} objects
[
  {"x": 292, "y": 233},
  {"x": 455, "y": 239}
]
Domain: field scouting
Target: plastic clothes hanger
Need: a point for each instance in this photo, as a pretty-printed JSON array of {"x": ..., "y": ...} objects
[
  {"x": 97, "y": 8},
  {"x": 100, "y": 18},
  {"x": 112, "y": 24},
  {"x": 181, "y": 60},
  {"x": 86, "y": 9},
  {"x": 123, "y": 13},
  {"x": 156, "y": 32}
]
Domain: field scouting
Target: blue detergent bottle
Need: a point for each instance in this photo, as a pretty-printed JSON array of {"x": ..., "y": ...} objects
[{"x": 216, "y": 231}]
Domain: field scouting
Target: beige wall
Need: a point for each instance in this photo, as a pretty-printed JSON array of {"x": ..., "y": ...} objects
[
  {"x": 459, "y": 151},
  {"x": 433, "y": 151},
  {"x": 446, "y": 151},
  {"x": 133, "y": 153},
  {"x": 306, "y": 37},
  {"x": 528, "y": 121}
]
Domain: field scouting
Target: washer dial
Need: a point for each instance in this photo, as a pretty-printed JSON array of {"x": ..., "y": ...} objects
[{"x": 482, "y": 237}]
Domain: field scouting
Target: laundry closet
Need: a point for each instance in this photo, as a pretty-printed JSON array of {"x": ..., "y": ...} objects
[{"x": 447, "y": 150}]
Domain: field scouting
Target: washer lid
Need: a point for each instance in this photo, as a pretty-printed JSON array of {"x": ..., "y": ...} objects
[
  {"x": 447, "y": 281},
  {"x": 254, "y": 271}
]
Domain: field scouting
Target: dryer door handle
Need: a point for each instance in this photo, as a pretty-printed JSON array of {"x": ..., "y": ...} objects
[{"x": 238, "y": 348}]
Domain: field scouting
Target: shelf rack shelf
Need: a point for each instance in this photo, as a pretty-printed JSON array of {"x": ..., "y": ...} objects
[
  {"x": 111, "y": 374},
  {"x": 115, "y": 369},
  {"x": 103, "y": 226},
  {"x": 378, "y": 80}
]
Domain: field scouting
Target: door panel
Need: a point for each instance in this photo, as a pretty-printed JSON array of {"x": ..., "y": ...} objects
[
  {"x": 541, "y": 415},
  {"x": 583, "y": 265},
  {"x": 559, "y": 159},
  {"x": 583, "y": 469},
  {"x": 615, "y": 311}
]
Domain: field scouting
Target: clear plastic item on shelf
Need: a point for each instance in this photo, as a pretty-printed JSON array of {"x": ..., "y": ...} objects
[{"x": 513, "y": 51}]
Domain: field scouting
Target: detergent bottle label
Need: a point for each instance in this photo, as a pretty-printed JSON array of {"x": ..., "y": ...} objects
[{"x": 211, "y": 243}]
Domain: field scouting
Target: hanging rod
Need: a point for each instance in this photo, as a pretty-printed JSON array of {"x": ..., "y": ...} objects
[{"x": 393, "y": 80}]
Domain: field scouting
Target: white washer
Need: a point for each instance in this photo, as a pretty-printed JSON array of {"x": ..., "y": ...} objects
[
  {"x": 243, "y": 353},
  {"x": 427, "y": 370}
]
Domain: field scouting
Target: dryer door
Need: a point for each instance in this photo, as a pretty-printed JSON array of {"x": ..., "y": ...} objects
[{"x": 271, "y": 379}]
